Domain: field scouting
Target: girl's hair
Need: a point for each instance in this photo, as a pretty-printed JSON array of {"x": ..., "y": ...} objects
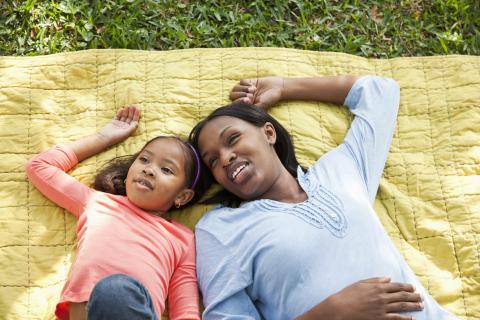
[
  {"x": 111, "y": 179},
  {"x": 258, "y": 117}
]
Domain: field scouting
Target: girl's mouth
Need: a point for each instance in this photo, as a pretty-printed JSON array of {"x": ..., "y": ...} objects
[{"x": 144, "y": 184}]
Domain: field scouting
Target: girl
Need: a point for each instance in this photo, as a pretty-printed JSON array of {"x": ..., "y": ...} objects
[
  {"x": 125, "y": 233},
  {"x": 288, "y": 240}
]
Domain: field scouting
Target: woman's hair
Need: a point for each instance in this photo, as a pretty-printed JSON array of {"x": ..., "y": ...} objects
[
  {"x": 111, "y": 178},
  {"x": 257, "y": 117}
]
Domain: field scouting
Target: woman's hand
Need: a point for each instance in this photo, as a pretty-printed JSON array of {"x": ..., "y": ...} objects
[
  {"x": 262, "y": 92},
  {"x": 370, "y": 299},
  {"x": 122, "y": 125}
]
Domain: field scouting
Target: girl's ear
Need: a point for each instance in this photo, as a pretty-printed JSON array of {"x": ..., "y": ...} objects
[
  {"x": 183, "y": 197},
  {"x": 270, "y": 133}
]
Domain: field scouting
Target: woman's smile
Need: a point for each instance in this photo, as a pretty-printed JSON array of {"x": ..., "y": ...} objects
[{"x": 238, "y": 172}]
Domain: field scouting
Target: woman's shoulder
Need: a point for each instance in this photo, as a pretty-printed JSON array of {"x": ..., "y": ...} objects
[{"x": 223, "y": 219}]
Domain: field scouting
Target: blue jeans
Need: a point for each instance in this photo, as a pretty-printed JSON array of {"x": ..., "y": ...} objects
[{"x": 120, "y": 297}]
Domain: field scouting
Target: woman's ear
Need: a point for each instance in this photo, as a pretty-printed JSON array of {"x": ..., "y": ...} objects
[
  {"x": 183, "y": 197},
  {"x": 270, "y": 133}
]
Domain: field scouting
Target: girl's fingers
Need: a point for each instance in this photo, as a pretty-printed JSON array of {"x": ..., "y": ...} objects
[
  {"x": 123, "y": 114},
  {"x": 136, "y": 114},
  {"x": 403, "y": 307},
  {"x": 131, "y": 112}
]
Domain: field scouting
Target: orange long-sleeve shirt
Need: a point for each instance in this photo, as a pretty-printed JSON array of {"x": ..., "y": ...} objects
[{"x": 114, "y": 236}]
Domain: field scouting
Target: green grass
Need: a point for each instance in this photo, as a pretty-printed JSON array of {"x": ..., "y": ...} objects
[{"x": 366, "y": 28}]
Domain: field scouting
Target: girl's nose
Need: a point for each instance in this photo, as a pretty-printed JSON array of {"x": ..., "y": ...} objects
[{"x": 148, "y": 172}]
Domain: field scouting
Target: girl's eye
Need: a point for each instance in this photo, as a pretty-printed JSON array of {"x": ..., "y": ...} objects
[
  {"x": 167, "y": 170},
  {"x": 143, "y": 159}
]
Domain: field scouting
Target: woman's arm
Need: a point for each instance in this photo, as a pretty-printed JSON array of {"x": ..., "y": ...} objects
[
  {"x": 266, "y": 92},
  {"x": 370, "y": 299}
]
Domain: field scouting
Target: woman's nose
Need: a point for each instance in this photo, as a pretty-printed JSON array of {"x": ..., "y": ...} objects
[{"x": 227, "y": 158}]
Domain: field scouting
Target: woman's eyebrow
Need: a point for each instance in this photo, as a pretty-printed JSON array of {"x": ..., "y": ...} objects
[
  {"x": 224, "y": 130},
  {"x": 203, "y": 155}
]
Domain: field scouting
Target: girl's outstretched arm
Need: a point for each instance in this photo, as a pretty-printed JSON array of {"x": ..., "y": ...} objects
[
  {"x": 120, "y": 128},
  {"x": 266, "y": 92},
  {"x": 47, "y": 170}
]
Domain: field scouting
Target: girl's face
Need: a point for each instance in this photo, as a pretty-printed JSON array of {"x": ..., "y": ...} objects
[
  {"x": 240, "y": 156},
  {"x": 157, "y": 180}
]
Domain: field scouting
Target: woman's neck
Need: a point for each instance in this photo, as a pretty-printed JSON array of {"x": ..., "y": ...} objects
[{"x": 285, "y": 189}]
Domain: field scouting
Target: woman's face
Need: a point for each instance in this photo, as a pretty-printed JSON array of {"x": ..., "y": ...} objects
[{"x": 240, "y": 155}]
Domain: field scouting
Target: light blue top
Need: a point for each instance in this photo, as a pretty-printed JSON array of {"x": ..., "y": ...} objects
[{"x": 274, "y": 260}]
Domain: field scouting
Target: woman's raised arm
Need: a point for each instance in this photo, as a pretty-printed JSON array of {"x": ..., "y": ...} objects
[{"x": 266, "y": 92}]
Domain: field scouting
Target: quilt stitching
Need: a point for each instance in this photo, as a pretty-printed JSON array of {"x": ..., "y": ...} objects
[{"x": 427, "y": 198}]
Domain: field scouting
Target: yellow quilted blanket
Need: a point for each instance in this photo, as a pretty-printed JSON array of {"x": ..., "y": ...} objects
[{"x": 429, "y": 198}]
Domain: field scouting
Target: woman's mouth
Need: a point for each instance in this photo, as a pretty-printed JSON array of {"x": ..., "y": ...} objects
[{"x": 237, "y": 172}]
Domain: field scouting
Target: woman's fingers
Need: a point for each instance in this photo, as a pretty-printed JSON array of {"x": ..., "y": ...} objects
[
  {"x": 398, "y": 287},
  {"x": 398, "y": 317},
  {"x": 377, "y": 280},
  {"x": 403, "y": 307},
  {"x": 404, "y": 297},
  {"x": 241, "y": 97},
  {"x": 240, "y": 92},
  {"x": 248, "y": 82}
]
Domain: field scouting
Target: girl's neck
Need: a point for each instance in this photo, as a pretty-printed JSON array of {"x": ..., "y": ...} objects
[{"x": 158, "y": 213}]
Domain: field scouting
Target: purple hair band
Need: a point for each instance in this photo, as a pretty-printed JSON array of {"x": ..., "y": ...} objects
[{"x": 197, "y": 171}]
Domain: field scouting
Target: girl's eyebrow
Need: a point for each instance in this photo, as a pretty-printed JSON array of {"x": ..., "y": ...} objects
[
  {"x": 170, "y": 161},
  {"x": 147, "y": 151}
]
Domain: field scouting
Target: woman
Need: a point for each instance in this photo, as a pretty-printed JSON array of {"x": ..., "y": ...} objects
[{"x": 297, "y": 238}]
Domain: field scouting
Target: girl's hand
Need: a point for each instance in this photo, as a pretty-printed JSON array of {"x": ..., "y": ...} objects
[
  {"x": 370, "y": 299},
  {"x": 263, "y": 92},
  {"x": 122, "y": 125}
]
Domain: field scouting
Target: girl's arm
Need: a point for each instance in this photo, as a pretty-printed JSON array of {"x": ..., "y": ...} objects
[
  {"x": 183, "y": 298},
  {"x": 120, "y": 128},
  {"x": 47, "y": 171}
]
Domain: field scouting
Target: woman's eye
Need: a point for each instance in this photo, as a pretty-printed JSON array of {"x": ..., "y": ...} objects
[
  {"x": 233, "y": 138},
  {"x": 212, "y": 162}
]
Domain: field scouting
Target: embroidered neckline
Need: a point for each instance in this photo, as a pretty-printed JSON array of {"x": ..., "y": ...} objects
[{"x": 322, "y": 209}]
